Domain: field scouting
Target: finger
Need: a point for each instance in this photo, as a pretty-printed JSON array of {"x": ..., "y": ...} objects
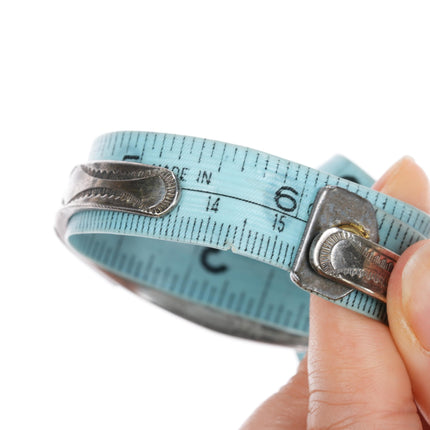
[
  {"x": 352, "y": 360},
  {"x": 285, "y": 410},
  {"x": 406, "y": 181},
  {"x": 408, "y": 301}
]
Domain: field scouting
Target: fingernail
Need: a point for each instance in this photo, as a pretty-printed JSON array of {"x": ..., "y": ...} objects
[{"x": 416, "y": 294}]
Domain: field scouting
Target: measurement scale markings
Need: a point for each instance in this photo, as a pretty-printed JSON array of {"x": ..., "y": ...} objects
[
  {"x": 269, "y": 311},
  {"x": 192, "y": 230},
  {"x": 247, "y": 240},
  {"x": 207, "y": 228},
  {"x": 299, "y": 314},
  {"x": 245, "y": 201},
  {"x": 241, "y": 235},
  {"x": 112, "y": 145},
  {"x": 281, "y": 244},
  {"x": 187, "y": 274},
  {"x": 138, "y": 269},
  {"x": 153, "y": 142},
  {"x": 128, "y": 142},
  {"x": 174, "y": 223},
  {"x": 203, "y": 290},
  {"x": 279, "y": 313},
  {"x": 261, "y": 244},
  {"x": 116, "y": 250},
  {"x": 303, "y": 189},
  {"x": 161, "y": 226},
  {"x": 240, "y": 302},
  {"x": 182, "y": 148},
  {"x": 264, "y": 292},
  {"x": 144, "y": 146},
  {"x": 173, "y": 142},
  {"x": 222, "y": 293},
  {"x": 222, "y": 157},
  {"x": 286, "y": 172},
  {"x": 121, "y": 142},
  {"x": 317, "y": 176},
  {"x": 389, "y": 232},
  {"x": 174, "y": 282},
  {"x": 201, "y": 151},
  {"x": 211, "y": 295},
  {"x": 168, "y": 224},
  {"x": 267, "y": 247},
  {"x": 219, "y": 233},
  {"x": 230, "y": 300},
  {"x": 249, "y": 306},
  {"x": 226, "y": 234},
  {"x": 253, "y": 243},
  {"x": 213, "y": 231},
  {"x": 234, "y": 155},
  {"x": 162, "y": 146},
  {"x": 234, "y": 234},
  {"x": 285, "y": 254},
  {"x": 130, "y": 264},
  {"x": 244, "y": 160},
  {"x": 287, "y": 318},
  {"x": 200, "y": 229},
  {"x": 265, "y": 167}
]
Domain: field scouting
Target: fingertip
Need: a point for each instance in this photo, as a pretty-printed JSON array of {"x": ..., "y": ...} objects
[{"x": 408, "y": 182}]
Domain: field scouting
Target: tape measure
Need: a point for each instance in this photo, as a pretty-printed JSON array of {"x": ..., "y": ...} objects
[{"x": 212, "y": 229}]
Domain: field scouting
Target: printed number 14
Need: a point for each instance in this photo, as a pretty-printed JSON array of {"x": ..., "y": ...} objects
[{"x": 213, "y": 204}]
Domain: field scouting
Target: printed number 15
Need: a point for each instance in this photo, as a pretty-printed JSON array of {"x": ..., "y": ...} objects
[{"x": 279, "y": 222}]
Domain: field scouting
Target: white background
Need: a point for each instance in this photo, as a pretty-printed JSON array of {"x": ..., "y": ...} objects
[{"x": 302, "y": 80}]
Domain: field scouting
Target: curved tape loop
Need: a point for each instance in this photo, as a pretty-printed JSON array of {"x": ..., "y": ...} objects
[{"x": 249, "y": 204}]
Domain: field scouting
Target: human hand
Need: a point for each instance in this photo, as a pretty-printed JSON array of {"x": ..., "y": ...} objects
[{"x": 359, "y": 373}]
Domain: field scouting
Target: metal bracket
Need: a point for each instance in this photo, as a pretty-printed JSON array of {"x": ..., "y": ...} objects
[{"x": 339, "y": 251}]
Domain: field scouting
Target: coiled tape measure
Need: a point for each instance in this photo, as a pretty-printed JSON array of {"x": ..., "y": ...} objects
[{"x": 209, "y": 230}]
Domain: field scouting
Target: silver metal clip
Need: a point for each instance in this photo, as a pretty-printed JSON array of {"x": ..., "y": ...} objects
[
  {"x": 119, "y": 186},
  {"x": 339, "y": 251}
]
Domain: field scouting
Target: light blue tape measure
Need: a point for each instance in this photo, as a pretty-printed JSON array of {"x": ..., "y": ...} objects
[{"x": 158, "y": 228}]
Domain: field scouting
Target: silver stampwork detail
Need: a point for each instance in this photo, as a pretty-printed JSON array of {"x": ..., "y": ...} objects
[
  {"x": 119, "y": 186},
  {"x": 333, "y": 207},
  {"x": 353, "y": 261}
]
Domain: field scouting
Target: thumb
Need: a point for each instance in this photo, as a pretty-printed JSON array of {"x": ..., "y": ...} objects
[
  {"x": 408, "y": 297},
  {"x": 408, "y": 306}
]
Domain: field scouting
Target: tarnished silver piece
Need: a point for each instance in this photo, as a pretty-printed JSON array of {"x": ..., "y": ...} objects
[
  {"x": 333, "y": 207},
  {"x": 353, "y": 261},
  {"x": 223, "y": 322},
  {"x": 119, "y": 186}
]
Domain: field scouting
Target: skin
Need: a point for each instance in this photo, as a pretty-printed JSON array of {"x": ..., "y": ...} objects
[{"x": 359, "y": 373}]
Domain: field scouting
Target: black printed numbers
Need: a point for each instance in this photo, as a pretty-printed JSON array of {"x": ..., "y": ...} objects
[
  {"x": 279, "y": 223},
  {"x": 212, "y": 204},
  {"x": 286, "y": 199}
]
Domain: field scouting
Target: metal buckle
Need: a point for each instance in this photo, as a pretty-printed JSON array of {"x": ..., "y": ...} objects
[{"x": 339, "y": 252}]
